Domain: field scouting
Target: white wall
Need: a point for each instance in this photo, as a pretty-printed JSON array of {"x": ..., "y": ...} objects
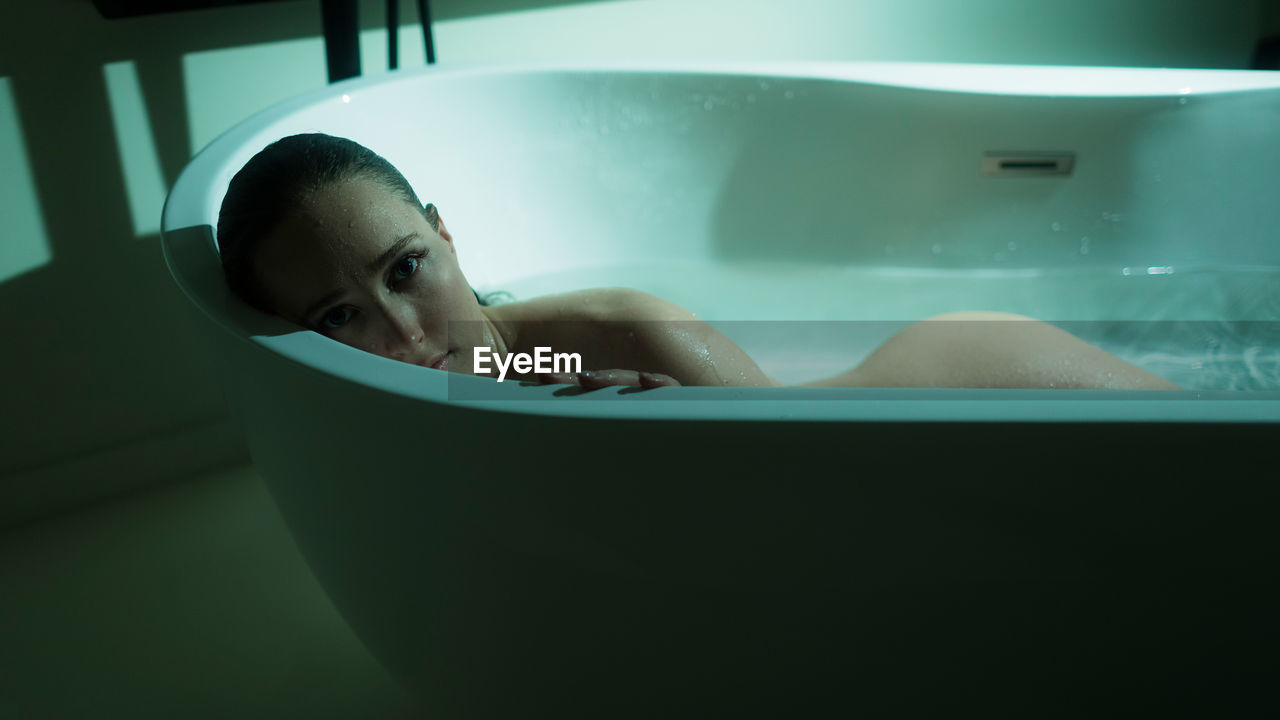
[{"x": 106, "y": 383}]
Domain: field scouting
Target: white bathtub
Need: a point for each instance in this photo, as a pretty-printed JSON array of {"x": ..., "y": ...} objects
[{"x": 509, "y": 552}]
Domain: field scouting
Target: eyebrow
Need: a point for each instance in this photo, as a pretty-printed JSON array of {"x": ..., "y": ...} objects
[
  {"x": 377, "y": 263},
  {"x": 385, "y": 257}
]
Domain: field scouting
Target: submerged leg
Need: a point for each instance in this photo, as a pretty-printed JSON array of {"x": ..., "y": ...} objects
[{"x": 992, "y": 350}]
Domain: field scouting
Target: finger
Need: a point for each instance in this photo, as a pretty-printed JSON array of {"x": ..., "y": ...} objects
[
  {"x": 557, "y": 378},
  {"x": 596, "y": 379},
  {"x": 656, "y": 380}
]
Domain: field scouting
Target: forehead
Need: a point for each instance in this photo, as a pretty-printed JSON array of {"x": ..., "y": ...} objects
[{"x": 328, "y": 242}]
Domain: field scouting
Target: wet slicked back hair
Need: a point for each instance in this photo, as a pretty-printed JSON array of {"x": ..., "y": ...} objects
[{"x": 273, "y": 184}]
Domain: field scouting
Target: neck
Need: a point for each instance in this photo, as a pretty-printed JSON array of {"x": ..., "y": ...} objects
[{"x": 498, "y": 335}]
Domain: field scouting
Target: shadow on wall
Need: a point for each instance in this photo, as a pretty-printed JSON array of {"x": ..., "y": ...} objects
[{"x": 108, "y": 352}]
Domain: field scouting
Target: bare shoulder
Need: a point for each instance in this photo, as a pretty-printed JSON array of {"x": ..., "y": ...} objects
[
  {"x": 628, "y": 304},
  {"x": 622, "y": 328},
  {"x": 596, "y": 305},
  {"x": 612, "y": 327}
]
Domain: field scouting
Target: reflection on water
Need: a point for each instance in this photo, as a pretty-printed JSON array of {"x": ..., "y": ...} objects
[{"x": 1198, "y": 355}]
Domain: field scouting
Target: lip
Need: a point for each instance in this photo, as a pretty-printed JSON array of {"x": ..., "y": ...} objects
[{"x": 441, "y": 362}]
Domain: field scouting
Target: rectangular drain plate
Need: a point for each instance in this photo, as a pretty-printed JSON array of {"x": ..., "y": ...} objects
[{"x": 1018, "y": 163}]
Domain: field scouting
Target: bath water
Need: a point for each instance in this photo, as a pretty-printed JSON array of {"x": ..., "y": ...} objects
[{"x": 1203, "y": 328}]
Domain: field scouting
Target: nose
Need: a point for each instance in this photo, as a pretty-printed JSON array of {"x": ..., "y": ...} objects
[{"x": 403, "y": 336}]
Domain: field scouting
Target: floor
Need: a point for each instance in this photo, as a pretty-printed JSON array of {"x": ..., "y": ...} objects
[{"x": 189, "y": 601}]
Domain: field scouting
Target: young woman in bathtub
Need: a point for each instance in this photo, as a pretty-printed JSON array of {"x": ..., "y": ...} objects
[{"x": 329, "y": 235}]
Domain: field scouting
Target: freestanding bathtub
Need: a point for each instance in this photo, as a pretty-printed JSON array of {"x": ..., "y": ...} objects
[{"x": 511, "y": 552}]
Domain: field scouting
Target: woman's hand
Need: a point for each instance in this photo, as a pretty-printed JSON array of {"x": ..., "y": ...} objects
[{"x": 596, "y": 379}]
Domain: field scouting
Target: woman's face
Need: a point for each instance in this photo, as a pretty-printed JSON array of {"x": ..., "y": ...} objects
[{"x": 364, "y": 266}]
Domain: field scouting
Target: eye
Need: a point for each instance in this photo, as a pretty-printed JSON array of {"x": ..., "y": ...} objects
[
  {"x": 335, "y": 318},
  {"x": 407, "y": 266}
]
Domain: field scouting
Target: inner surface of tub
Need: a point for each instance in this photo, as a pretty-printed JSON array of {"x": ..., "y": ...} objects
[
  {"x": 766, "y": 198},
  {"x": 1204, "y": 329}
]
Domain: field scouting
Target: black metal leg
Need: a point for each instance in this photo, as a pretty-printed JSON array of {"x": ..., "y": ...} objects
[
  {"x": 393, "y": 34},
  {"x": 341, "y": 23},
  {"x": 424, "y": 12},
  {"x": 1266, "y": 56}
]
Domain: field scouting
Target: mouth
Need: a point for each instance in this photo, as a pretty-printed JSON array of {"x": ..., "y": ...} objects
[{"x": 441, "y": 362}]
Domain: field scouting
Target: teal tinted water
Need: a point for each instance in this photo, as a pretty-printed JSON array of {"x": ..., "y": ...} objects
[{"x": 1204, "y": 329}]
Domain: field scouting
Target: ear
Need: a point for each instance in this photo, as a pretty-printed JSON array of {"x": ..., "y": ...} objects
[
  {"x": 438, "y": 223},
  {"x": 444, "y": 233}
]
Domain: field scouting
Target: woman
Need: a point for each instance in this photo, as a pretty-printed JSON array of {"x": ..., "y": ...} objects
[{"x": 325, "y": 233}]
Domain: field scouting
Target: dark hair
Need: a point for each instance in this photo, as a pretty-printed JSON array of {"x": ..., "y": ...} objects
[{"x": 272, "y": 185}]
